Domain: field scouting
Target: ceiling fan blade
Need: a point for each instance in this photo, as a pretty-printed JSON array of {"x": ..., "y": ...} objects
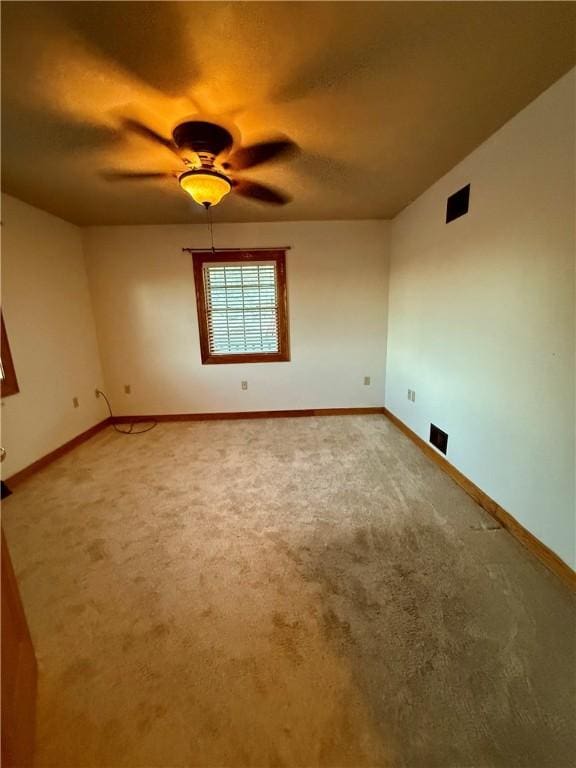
[
  {"x": 148, "y": 133},
  {"x": 137, "y": 175},
  {"x": 260, "y": 192},
  {"x": 152, "y": 49},
  {"x": 256, "y": 154}
]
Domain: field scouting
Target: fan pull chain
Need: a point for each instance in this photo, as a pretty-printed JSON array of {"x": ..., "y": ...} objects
[{"x": 210, "y": 226}]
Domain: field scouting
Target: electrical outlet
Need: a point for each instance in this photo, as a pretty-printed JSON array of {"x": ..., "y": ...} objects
[
  {"x": 127, "y": 389},
  {"x": 409, "y": 394},
  {"x": 75, "y": 402},
  {"x": 244, "y": 384},
  {"x": 413, "y": 396},
  {"x": 366, "y": 381},
  {"x": 97, "y": 392}
]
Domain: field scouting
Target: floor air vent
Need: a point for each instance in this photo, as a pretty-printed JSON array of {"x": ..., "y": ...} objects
[{"x": 438, "y": 438}]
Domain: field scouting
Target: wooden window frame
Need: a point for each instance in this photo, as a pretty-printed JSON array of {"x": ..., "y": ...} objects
[
  {"x": 279, "y": 258},
  {"x": 8, "y": 385}
]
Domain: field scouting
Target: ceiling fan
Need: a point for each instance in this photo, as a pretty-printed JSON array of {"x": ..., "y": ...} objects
[{"x": 209, "y": 162}]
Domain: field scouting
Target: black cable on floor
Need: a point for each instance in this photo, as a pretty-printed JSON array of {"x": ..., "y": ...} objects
[{"x": 129, "y": 431}]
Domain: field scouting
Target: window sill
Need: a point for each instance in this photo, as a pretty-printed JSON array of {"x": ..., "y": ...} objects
[{"x": 275, "y": 357}]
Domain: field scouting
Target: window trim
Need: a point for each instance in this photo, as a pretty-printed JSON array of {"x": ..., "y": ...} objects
[
  {"x": 9, "y": 385},
  {"x": 200, "y": 258}
]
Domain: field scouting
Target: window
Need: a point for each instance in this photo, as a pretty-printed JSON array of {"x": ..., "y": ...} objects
[
  {"x": 242, "y": 306},
  {"x": 8, "y": 381}
]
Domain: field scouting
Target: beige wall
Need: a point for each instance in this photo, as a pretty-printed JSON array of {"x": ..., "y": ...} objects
[
  {"x": 481, "y": 321},
  {"x": 49, "y": 320},
  {"x": 143, "y": 294}
]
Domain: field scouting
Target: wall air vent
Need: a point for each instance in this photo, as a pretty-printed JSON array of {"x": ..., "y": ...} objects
[
  {"x": 438, "y": 438},
  {"x": 457, "y": 204}
]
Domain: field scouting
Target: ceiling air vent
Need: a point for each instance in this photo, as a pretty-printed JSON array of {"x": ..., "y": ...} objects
[{"x": 457, "y": 204}]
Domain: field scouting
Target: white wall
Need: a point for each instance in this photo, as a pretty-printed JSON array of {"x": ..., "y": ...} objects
[
  {"x": 481, "y": 319},
  {"x": 145, "y": 306},
  {"x": 50, "y": 326}
]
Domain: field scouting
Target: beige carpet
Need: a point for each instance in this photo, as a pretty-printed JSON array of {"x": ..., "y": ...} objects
[{"x": 289, "y": 592}]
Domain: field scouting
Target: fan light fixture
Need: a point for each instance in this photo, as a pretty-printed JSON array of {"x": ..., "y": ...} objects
[{"x": 205, "y": 187}]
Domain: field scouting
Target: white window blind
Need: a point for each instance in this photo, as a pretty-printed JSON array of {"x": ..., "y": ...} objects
[{"x": 241, "y": 307}]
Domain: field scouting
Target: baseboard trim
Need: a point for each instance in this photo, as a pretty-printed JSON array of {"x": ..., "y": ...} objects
[
  {"x": 549, "y": 558},
  {"x": 42, "y": 462},
  {"x": 247, "y": 415}
]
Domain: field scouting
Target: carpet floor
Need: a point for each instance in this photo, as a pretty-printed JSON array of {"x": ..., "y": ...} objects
[{"x": 285, "y": 592}]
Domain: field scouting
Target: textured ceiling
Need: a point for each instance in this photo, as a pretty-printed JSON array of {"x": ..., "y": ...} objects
[{"x": 383, "y": 98}]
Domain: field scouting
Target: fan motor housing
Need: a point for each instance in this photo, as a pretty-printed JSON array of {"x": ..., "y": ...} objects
[{"x": 200, "y": 136}]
